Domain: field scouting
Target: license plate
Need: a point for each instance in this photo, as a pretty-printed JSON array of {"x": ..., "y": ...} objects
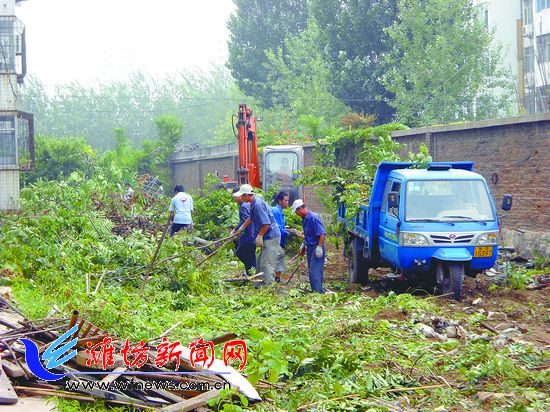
[{"x": 483, "y": 251}]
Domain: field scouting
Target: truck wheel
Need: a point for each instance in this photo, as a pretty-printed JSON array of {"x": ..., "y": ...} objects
[
  {"x": 453, "y": 280},
  {"x": 358, "y": 268}
]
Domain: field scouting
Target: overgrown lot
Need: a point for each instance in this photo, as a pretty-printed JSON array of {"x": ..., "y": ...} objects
[{"x": 351, "y": 350}]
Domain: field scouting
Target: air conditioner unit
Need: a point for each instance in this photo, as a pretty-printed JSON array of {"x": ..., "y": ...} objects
[{"x": 526, "y": 32}]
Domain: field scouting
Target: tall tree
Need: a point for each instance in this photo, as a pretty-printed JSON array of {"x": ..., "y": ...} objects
[
  {"x": 353, "y": 40},
  {"x": 203, "y": 101},
  {"x": 255, "y": 27},
  {"x": 300, "y": 80},
  {"x": 443, "y": 67}
]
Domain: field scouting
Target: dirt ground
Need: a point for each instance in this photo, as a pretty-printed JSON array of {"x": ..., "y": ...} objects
[{"x": 526, "y": 310}]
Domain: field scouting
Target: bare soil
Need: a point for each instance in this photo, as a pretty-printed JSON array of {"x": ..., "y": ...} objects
[{"x": 527, "y": 310}]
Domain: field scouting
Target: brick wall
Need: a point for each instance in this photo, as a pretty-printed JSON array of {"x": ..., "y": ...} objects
[{"x": 512, "y": 154}]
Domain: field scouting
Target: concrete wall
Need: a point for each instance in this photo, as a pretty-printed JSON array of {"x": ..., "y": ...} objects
[
  {"x": 189, "y": 168},
  {"x": 9, "y": 189},
  {"x": 512, "y": 154}
]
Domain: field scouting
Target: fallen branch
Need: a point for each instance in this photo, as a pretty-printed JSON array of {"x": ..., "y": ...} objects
[
  {"x": 225, "y": 243},
  {"x": 258, "y": 277},
  {"x": 165, "y": 333},
  {"x": 438, "y": 296},
  {"x": 152, "y": 264},
  {"x": 489, "y": 328},
  {"x": 414, "y": 388}
]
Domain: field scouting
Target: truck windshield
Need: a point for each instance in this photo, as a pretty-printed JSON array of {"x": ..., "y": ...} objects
[{"x": 447, "y": 200}]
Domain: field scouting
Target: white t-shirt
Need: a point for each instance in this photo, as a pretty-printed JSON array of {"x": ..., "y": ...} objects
[{"x": 182, "y": 206}]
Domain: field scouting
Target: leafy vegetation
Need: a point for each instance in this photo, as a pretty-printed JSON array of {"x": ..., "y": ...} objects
[
  {"x": 332, "y": 352},
  {"x": 257, "y": 26},
  {"x": 202, "y": 101},
  {"x": 352, "y": 179},
  {"x": 443, "y": 69}
]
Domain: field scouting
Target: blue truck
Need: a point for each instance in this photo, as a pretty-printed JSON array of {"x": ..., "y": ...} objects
[{"x": 434, "y": 225}]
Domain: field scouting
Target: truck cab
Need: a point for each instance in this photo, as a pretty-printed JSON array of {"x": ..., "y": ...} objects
[
  {"x": 438, "y": 223},
  {"x": 281, "y": 165}
]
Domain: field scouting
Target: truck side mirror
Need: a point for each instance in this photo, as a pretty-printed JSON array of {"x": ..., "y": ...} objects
[
  {"x": 506, "y": 202},
  {"x": 393, "y": 199}
]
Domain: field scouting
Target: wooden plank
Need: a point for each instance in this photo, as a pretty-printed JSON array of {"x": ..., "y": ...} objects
[
  {"x": 223, "y": 338},
  {"x": 82, "y": 357},
  {"x": 11, "y": 369},
  {"x": 111, "y": 377},
  {"x": 7, "y": 394},
  {"x": 28, "y": 391},
  {"x": 193, "y": 403}
]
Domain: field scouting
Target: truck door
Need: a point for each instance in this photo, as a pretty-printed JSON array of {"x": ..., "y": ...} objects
[{"x": 388, "y": 237}]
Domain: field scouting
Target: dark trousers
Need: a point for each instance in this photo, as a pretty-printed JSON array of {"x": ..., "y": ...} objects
[
  {"x": 176, "y": 227},
  {"x": 246, "y": 252}
]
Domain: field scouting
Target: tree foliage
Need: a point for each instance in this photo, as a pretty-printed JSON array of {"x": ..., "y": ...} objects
[
  {"x": 300, "y": 80},
  {"x": 353, "y": 41},
  {"x": 255, "y": 27},
  {"x": 57, "y": 158},
  {"x": 203, "y": 101},
  {"x": 442, "y": 66}
]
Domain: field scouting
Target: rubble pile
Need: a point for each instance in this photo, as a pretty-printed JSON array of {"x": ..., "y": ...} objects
[{"x": 87, "y": 379}]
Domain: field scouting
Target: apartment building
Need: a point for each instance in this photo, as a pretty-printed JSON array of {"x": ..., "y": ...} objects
[{"x": 522, "y": 28}]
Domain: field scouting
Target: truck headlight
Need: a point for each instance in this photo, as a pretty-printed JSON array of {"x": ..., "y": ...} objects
[
  {"x": 413, "y": 239},
  {"x": 487, "y": 239}
]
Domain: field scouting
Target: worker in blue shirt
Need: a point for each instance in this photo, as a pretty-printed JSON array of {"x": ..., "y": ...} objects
[
  {"x": 266, "y": 231},
  {"x": 246, "y": 245},
  {"x": 281, "y": 200},
  {"x": 314, "y": 244}
]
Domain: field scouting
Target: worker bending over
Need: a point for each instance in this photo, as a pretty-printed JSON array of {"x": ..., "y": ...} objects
[
  {"x": 314, "y": 243},
  {"x": 246, "y": 245},
  {"x": 266, "y": 232}
]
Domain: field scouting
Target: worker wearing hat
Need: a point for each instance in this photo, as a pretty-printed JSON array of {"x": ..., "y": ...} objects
[
  {"x": 246, "y": 245},
  {"x": 266, "y": 232},
  {"x": 314, "y": 244}
]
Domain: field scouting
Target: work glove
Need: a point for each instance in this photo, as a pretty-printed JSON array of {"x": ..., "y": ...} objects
[
  {"x": 238, "y": 232},
  {"x": 318, "y": 252},
  {"x": 260, "y": 241},
  {"x": 302, "y": 249}
]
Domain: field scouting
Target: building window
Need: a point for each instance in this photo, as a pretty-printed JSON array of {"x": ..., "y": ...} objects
[
  {"x": 543, "y": 48},
  {"x": 543, "y": 4},
  {"x": 7, "y": 141},
  {"x": 527, "y": 13}
]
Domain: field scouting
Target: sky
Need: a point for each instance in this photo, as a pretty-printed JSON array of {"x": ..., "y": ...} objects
[{"x": 91, "y": 40}]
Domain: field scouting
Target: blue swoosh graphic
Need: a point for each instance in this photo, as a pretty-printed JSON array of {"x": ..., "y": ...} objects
[{"x": 33, "y": 362}]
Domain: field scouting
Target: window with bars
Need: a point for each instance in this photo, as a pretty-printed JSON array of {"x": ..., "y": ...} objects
[
  {"x": 543, "y": 48},
  {"x": 16, "y": 140},
  {"x": 8, "y": 144}
]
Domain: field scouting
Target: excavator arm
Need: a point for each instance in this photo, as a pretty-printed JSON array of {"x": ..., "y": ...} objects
[{"x": 249, "y": 166}]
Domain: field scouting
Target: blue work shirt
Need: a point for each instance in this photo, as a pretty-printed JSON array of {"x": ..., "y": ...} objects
[
  {"x": 248, "y": 235},
  {"x": 261, "y": 215},
  {"x": 313, "y": 229},
  {"x": 279, "y": 215}
]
